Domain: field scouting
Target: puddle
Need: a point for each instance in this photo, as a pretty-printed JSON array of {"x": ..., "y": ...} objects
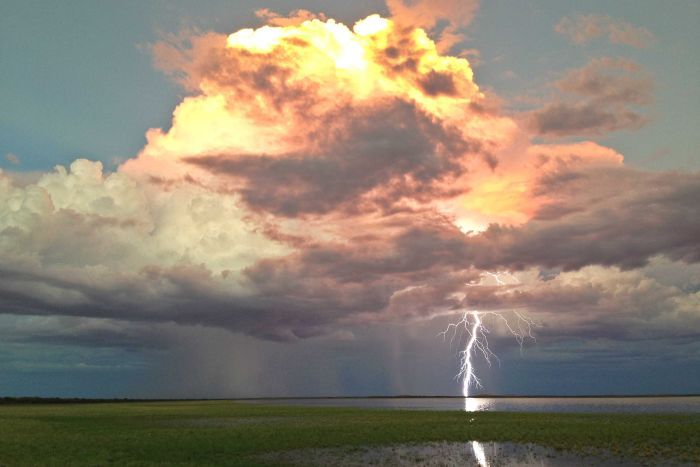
[{"x": 472, "y": 453}]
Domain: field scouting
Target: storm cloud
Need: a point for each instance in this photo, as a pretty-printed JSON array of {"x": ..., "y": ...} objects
[{"x": 319, "y": 179}]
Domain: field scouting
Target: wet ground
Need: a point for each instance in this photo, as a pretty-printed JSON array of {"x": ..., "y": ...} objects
[{"x": 445, "y": 454}]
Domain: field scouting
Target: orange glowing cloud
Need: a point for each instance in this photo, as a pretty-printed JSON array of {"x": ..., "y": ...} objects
[
  {"x": 284, "y": 90},
  {"x": 273, "y": 107},
  {"x": 256, "y": 87}
]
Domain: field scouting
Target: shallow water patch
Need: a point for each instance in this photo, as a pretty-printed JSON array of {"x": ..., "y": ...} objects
[{"x": 441, "y": 454}]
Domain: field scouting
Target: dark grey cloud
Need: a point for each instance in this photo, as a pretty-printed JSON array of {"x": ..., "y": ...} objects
[
  {"x": 342, "y": 296},
  {"x": 395, "y": 266},
  {"x": 372, "y": 156},
  {"x": 90, "y": 333},
  {"x": 572, "y": 119},
  {"x": 601, "y": 303},
  {"x": 436, "y": 84},
  {"x": 605, "y": 95},
  {"x": 612, "y": 216}
]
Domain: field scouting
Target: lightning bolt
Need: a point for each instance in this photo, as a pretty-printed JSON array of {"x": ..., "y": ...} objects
[{"x": 472, "y": 324}]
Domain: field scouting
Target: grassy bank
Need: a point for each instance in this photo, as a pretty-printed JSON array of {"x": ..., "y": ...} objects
[{"x": 220, "y": 432}]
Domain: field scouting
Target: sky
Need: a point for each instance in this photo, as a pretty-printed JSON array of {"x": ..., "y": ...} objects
[{"x": 191, "y": 206}]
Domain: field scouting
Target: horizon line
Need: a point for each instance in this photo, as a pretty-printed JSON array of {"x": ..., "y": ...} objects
[{"x": 50, "y": 399}]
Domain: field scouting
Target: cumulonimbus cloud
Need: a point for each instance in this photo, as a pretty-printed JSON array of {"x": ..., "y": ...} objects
[{"x": 319, "y": 176}]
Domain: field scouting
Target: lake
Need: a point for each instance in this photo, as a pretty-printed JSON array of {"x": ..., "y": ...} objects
[{"x": 681, "y": 404}]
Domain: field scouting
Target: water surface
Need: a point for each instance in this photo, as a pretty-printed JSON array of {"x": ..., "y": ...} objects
[
  {"x": 686, "y": 404},
  {"x": 442, "y": 454}
]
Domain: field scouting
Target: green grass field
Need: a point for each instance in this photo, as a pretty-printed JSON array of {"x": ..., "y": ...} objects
[{"x": 220, "y": 432}]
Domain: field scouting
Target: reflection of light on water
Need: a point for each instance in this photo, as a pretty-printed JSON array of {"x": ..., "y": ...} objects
[
  {"x": 472, "y": 404},
  {"x": 475, "y": 405},
  {"x": 479, "y": 454}
]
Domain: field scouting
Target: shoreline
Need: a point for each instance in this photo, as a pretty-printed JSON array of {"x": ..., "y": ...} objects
[{"x": 84, "y": 400}]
